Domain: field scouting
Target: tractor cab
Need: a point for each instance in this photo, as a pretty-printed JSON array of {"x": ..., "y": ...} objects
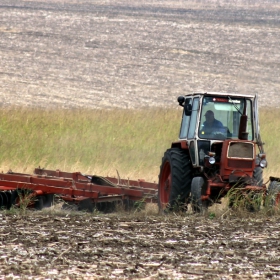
[{"x": 211, "y": 119}]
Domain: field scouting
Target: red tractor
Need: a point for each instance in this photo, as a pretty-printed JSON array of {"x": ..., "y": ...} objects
[{"x": 219, "y": 148}]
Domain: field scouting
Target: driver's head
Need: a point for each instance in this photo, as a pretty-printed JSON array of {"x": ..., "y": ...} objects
[{"x": 209, "y": 116}]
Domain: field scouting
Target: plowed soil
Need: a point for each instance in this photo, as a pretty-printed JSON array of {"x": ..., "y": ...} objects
[
  {"x": 131, "y": 54},
  {"x": 108, "y": 247}
]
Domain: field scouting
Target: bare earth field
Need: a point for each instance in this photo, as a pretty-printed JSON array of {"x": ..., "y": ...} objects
[
  {"x": 130, "y": 54},
  {"x": 87, "y": 247}
]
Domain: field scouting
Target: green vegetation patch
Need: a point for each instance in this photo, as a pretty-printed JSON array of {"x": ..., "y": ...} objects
[
  {"x": 103, "y": 141},
  {"x": 90, "y": 141}
]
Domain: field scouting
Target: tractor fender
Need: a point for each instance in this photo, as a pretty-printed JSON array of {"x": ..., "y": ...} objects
[{"x": 180, "y": 144}]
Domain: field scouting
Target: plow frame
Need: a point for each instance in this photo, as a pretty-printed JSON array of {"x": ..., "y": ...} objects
[{"x": 73, "y": 187}]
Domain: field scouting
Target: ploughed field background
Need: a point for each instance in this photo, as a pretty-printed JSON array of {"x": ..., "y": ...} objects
[
  {"x": 129, "y": 54},
  {"x": 132, "y": 54}
]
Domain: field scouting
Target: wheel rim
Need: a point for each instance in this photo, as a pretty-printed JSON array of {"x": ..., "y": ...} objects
[{"x": 165, "y": 185}]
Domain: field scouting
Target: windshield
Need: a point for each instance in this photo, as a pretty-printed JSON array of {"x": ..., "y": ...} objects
[{"x": 220, "y": 117}]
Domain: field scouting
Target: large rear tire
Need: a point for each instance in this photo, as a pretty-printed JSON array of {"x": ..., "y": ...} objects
[{"x": 174, "y": 180}]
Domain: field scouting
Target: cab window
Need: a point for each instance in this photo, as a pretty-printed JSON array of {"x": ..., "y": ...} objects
[
  {"x": 185, "y": 122},
  {"x": 220, "y": 117},
  {"x": 193, "y": 119}
]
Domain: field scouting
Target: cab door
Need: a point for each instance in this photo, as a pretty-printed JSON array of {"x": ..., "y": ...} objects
[{"x": 188, "y": 128}]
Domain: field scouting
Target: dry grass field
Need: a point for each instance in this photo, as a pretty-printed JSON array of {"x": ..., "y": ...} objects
[{"x": 131, "y": 54}]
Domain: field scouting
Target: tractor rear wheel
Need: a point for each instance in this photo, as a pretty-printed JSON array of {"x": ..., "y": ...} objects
[
  {"x": 197, "y": 189},
  {"x": 174, "y": 180}
]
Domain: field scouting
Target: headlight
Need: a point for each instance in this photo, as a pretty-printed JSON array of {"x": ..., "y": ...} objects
[
  {"x": 212, "y": 160},
  {"x": 263, "y": 163},
  {"x": 261, "y": 160}
]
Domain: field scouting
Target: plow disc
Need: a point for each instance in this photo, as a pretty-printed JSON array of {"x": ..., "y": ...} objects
[{"x": 85, "y": 191}]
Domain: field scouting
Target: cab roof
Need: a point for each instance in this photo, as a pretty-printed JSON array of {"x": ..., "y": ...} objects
[{"x": 222, "y": 94}]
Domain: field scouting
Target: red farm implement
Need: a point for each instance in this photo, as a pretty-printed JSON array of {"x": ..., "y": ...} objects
[{"x": 85, "y": 191}]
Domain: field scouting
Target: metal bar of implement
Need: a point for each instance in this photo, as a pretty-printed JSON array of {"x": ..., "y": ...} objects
[
  {"x": 49, "y": 189},
  {"x": 67, "y": 182},
  {"x": 57, "y": 184},
  {"x": 78, "y": 199},
  {"x": 126, "y": 182}
]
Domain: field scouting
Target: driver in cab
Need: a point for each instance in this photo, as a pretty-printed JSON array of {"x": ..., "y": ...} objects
[{"x": 211, "y": 125}]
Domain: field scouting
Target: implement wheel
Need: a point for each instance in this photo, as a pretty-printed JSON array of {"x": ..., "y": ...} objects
[{"x": 174, "y": 180}]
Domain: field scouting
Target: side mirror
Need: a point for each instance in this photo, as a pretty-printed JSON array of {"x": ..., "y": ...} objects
[
  {"x": 188, "y": 109},
  {"x": 187, "y": 106},
  {"x": 181, "y": 100}
]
